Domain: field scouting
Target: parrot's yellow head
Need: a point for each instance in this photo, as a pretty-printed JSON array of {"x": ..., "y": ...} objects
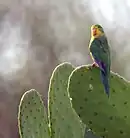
[{"x": 96, "y": 31}]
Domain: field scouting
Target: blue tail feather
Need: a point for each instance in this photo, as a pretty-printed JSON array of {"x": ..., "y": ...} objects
[
  {"x": 104, "y": 77},
  {"x": 105, "y": 82}
]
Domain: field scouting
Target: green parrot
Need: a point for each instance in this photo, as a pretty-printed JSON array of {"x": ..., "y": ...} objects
[{"x": 100, "y": 53}]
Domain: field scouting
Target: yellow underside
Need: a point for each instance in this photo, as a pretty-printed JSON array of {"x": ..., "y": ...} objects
[{"x": 92, "y": 38}]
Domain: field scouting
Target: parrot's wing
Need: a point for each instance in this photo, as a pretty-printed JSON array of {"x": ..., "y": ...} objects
[
  {"x": 100, "y": 51},
  {"x": 105, "y": 48}
]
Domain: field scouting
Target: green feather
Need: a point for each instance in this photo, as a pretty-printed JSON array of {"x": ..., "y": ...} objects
[
  {"x": 99, "y": 48},
  {"x": 99, "y": 27}
]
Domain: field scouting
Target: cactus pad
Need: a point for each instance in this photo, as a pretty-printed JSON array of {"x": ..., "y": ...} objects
[
  {"x": 64, "y": 121},
  {"x": 107, "y": 117},
  {"x": 32, "y": 118}
]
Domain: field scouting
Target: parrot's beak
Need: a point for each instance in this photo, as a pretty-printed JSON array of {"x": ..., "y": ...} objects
[{"x": 94, "y": 31}]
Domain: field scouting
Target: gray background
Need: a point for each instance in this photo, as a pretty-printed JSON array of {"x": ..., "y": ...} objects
[{"x": 37, "y": 35}]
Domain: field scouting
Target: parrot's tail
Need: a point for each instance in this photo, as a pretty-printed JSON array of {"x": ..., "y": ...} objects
[
  {"x": 105, "y": 81},
  {"x": 105, "y": 78}
]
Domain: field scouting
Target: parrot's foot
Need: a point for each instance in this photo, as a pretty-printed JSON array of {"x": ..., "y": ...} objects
[{"x": 94, "y": 65}]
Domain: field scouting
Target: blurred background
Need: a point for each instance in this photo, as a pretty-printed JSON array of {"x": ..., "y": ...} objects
[{"x": 37, "y": 35}]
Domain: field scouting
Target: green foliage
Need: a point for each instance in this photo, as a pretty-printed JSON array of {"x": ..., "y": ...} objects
[
  {"x": 32, "y": 118},
  {"x": 62, "y": 120},
  {"x": 107, "y": 117},
  {"x": 65, "y": 123}
]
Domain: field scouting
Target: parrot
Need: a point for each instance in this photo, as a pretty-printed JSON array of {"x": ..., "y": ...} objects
[{"x": 99, "y": 50}]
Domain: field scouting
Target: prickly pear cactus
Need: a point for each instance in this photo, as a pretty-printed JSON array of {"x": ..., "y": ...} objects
[
  {"x": 32, "y": 118},
  {"x": 64, "y": 121},
  {"x": 107, "y": 117}
]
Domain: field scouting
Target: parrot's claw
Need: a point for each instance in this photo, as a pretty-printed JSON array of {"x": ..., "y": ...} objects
[{"x": 94, "y": 65}]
